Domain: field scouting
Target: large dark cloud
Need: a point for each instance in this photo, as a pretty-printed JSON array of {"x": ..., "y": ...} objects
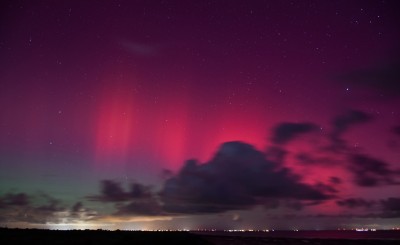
[
  {"x": 356, "y": 203},
  {"x": 370, "y": 172},
  {"x": 276, "y": 154},
  {"x": 287, "y": 131},
  {"x": 384, "y": 208},
  {"x": 381, "y": 81},
  {"x": 342, "y": 123},
  {"x": 240, "y": 177},
  {"x": 237, "y": 177},
  {"x": 388, "y": 208}
]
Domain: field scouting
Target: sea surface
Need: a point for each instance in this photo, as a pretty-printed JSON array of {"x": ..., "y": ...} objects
[
  {"x": 102, "y": 237},
  {"x": 329, "y": 234}
]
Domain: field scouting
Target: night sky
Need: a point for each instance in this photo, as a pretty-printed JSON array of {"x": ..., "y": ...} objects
[{"x": 200, "y": 114}]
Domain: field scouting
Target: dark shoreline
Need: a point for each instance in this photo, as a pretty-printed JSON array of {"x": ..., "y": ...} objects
[{"x": 99, "y": 237}]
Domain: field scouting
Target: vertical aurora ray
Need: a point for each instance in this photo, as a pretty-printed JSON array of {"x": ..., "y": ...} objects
[{"x": 115, "y": 129}]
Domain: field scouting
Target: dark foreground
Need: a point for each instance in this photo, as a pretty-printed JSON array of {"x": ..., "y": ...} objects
[
  {"x": 96, "y": 237},
  {"x": 99, "y": 237},
  {"x": 304, "y": 237}
]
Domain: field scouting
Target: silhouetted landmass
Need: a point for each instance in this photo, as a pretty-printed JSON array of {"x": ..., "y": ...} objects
[
  {"x": 99, "y": 237},
  {"x": 96, "y": 237}
]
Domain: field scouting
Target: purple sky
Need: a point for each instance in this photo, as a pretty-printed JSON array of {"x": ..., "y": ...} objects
[{"x": 200, "y": 114}]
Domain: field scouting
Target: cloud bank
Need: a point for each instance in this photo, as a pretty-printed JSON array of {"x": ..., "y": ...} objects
[
  {"x": 287, "y": 131},
  {"x": 237, "y": 177}
]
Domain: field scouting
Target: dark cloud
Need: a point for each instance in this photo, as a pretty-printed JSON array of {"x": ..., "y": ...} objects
[
  {"x": 139, "y": 199},
  {"x": 391, "y": 207},
  {"x": 287, "y": 131},
  {"x": 11, "y": 199},
  {"x": 271, "y": 203},
  {"x": 276, "y": 154},
  {"x": 356, "y": 203},
  {"x": 51, "y": 205},
  {"x": 80, "y": 213},
  {"x": 140, "y": 191},
  {"x": 77, "y": 207},
  {"x": 370, "y": 172},
  {"x": 40, "y": 209},
  {"x": 385, "y": 208},
  {"x": 324, "y": 188},
  {"x": 295, "y": 205},
  {"x": 306, "y": 158},
  {"x": 238, "y": 177},
  {"x": 147, "y": 206},
  {"x": 335, "y": 180},
  {"x": 391, "y": 204},
  {"x": 16, "y": 207},
  {"x": 396, "y": 130},
  {"x": 142, "y": 201},
  {"x": 111, "y": 191},
  {"x": 342, "y": 123},
  {"x": 382, "y": 81},
  {"x": 166, "y": 173}
]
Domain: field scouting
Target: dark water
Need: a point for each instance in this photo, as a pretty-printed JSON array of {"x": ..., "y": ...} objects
[
  {"x": 383, "y": 234},
  {"x": 95, "y": 237}
]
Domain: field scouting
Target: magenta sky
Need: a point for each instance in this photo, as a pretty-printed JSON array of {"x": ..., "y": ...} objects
[{"x": 200, "y": 114}]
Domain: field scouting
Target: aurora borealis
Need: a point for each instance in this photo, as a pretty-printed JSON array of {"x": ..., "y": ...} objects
[{"x": 200, "y": 114}]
